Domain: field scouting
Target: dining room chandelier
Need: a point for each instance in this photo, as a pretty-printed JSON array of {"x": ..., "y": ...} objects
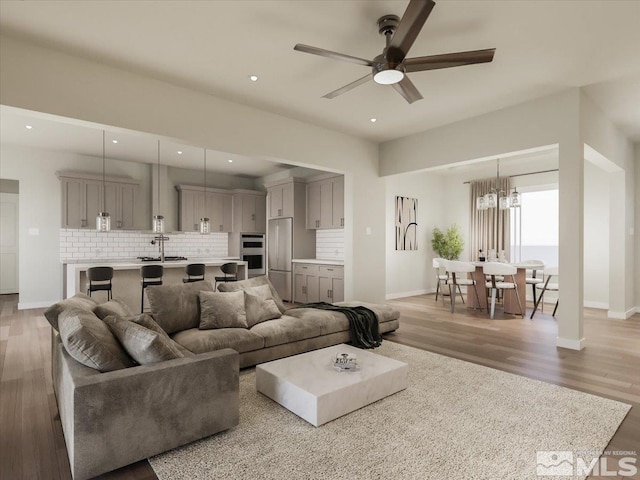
[{"x": 497, "y": 197}]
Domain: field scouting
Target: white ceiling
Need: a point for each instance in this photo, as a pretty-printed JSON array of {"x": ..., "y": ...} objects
[{"x": 213, "y": 46}]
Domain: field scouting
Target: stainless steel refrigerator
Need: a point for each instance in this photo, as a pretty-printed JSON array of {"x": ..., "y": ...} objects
[{"x": 280, "y": 253}]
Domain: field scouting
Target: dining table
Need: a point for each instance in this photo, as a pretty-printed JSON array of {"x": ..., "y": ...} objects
[{"x": 510, "y": 301}]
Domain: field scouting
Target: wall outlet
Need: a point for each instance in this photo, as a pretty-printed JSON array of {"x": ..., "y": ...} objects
[{"x": 34, "y": 231}]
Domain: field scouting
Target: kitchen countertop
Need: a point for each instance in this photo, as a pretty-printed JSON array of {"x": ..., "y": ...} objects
[
  {"x": 318, "y": 261},
  {"x": 122, "y": 263}
]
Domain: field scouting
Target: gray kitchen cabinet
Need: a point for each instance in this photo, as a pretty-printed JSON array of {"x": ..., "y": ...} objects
[
  {"x": 191, "y": 208},
  {"x": 194, "y": 204},
  {"x": 318, "y": 283},
  {"x": 250, "y": 214},
  {"x": 331, "y": 283},
  {"x": 82, "y": 196},
  {"x": 220, "y": 211},
  {"x": 306, "y": 283},
  {"x": 281, "y": 201},
  {"x": 325, "y": 203}
]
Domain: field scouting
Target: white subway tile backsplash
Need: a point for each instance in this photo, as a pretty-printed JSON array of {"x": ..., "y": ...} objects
[{"x": 330, "y": 244}]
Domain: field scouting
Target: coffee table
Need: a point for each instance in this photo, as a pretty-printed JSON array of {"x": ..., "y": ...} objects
[{"x": 309, "y": 386}]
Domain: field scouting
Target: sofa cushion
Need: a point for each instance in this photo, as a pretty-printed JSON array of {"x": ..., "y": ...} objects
[
  {"x": 201, "y": 341},
  {"x": 145, "y": 320},
  {"x": 222, "y": 310},
  {"x": 145, "y": 346},
  {"x": 89, "y": 341},
  {"x": 327, "y": 320},
  {"x": 176, "y": 307},
  {"x": 79, "y": 301},
  {"x": 260, "y": 305},
  {"x": 112, "y": 307},
  {"x": 253, "y": 282},
  {"x": 287, "y": 329}
]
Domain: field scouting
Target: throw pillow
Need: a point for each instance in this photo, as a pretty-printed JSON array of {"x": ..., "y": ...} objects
[
  {"x": 176, "y": 307},
  {"x": 145, "y": 346},
  {"x": 222, "y": 310},
  {"x": 253, "y": 282},
  {"x": 79, "y": 301},
  {"x": 112, "y": 307},
  {"x": 146, "y": 321},
  {"x": 260, "y": 305},
  {"x": 89, "y": 341}
]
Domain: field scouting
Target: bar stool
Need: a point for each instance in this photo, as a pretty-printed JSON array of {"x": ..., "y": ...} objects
[
  {"x": 151, "y": 275},
  {"x": 230, "y": 271},
  {"x": 195, "y": 272},
  {"x": 101, "y": 275}
]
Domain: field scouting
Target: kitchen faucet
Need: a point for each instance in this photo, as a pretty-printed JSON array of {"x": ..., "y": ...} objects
[{"x": 160, "y": 239}]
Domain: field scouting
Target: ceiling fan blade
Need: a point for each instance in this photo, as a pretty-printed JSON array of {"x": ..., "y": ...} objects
[
  {"x": 447, "y": 60},
  {"x": 348, "y": 87},
  {"x": 335, "y": 55},
  {"x": 407, "y": 89},
  {"x": 410, "y": 25}
]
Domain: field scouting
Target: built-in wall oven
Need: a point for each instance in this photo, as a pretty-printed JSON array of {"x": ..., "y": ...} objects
[{"x": 252, "y": 251}]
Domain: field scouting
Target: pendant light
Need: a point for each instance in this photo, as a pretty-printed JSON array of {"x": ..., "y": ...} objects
[
  {"x": 495, "y": 197},
  {"x": 158, "y": 220},
  {"x": 516, "y": 198},
  {"x": 103, "y": 220},
  {"x": 205, "y": 226}
]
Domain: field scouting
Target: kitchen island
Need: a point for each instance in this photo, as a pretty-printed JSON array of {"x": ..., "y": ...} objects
[{"x": 126, "y": 276}]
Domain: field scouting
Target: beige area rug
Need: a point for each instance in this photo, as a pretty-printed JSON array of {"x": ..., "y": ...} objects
[{"x": 457, "y": 420}]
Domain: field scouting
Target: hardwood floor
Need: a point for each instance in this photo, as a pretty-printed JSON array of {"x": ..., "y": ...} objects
[{"x": 32, "y": 445}]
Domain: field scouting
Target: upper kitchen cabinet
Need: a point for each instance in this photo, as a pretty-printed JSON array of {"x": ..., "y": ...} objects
[
  {"x": 325, "y": 203},
  {"x": 249, "y": 211},
  {"x": 82, "y": 196},
  {"x": 281, "y": 199},
  {"x": 193, "y": 204},
  {"x": 219, "y": 210}
]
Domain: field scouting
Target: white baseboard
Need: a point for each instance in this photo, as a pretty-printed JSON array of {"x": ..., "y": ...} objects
[
  {"x": 622, "y": 315},
  {"x": 598, "y": 305},
  {"x": 30, "y": 305},
  {"x": 570, "y": 343},
  {"x": 413, "y": 293}
]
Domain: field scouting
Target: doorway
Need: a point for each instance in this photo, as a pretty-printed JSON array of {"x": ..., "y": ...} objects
[{"x": 9, "y": 192}]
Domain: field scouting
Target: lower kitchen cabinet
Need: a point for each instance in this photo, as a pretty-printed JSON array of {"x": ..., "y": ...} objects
[{"x": 318, "y": 283}]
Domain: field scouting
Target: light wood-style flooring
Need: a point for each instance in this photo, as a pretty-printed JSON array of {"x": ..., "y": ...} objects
[{"x": 32, "y": 444}]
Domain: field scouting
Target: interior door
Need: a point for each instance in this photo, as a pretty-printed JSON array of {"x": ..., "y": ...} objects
[{"x": 8, "y": 243}]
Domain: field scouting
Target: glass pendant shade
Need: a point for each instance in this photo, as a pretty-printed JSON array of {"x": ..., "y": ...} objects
[
  {"x": 515, "y": 199},
  {"x": 205, "y": 226},
  {"x": 481, "y": 204},
  {"x": 158, "y": 224},
  {"x": 103, "y": 222},
  {"x": 504, "y": 203},
  {"x": 491, "y": 199}
]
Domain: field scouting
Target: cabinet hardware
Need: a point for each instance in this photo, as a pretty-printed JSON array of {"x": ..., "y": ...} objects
[
  {"x": 220, "y": 227},
  {"x": 342, "y": 222},
  {"x": 304, "y": 289},
  {"x": 83, "y": 222},
  {"x": 195, "y": 226},
  {"x": 331, "y": 294},
  {"x": 253, "y": 216}
]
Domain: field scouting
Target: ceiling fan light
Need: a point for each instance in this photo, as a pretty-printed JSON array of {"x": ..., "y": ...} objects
[{"x": 388, "y": 77}]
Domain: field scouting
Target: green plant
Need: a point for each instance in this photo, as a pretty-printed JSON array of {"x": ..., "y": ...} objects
[{"x": 447, "y": 245}]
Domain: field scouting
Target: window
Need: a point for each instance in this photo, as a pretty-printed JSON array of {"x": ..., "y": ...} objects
[{"x": 534, "y": 227}]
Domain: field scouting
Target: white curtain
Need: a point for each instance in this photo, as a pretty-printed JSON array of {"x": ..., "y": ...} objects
[{"x": 489, "y": 229}]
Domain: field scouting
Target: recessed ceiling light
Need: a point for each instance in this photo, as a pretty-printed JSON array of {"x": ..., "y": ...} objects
[
  {"x": 114, "y": 141},
  {"x": 374, "y": 120},
  {"x": 28, "y": 127},
  {"x": 179, "y": 152},
  {"x": 230, "y": 161},
  {"x": 253, "y": 78}
]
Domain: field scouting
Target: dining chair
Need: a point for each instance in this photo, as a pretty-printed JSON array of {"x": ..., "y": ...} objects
[
  {"x": 100, "y": 280},
  {"x": 458, "y": 273},
  {"x": 440, "y": 265},
  {"x": 495, "y": 270},
  {"x": 532, "y": 278},
  {"x": 547, "y": 286}
]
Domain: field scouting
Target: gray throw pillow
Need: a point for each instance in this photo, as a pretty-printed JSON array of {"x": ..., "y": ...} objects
[
  {"x": 79, "y": 301},
  {"x": 253, "y": 282},
  {"x": 222, "y": 310},
  {"x": 145, "y": 346},
  {"x": 176, "y": 307},
  {"x": 260, "y": 305},
  {"x": 146, "y": 321},
  {"x": 89, "y": 341},
  {"x": 112, "y": 307}
]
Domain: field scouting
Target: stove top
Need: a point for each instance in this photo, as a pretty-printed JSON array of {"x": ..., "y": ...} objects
[{"x": 166, "y": 259}]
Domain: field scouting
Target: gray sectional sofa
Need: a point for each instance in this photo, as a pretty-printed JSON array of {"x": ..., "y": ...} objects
[{"x": 118, "y": 417}]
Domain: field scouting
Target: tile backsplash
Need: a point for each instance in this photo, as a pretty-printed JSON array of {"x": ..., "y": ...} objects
[
  {"x": 77, "y": 244},
  {"x": 330, "y": 244}
]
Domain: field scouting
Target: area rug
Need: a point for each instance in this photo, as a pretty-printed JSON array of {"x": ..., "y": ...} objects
[{"x": 456, "y": 420}]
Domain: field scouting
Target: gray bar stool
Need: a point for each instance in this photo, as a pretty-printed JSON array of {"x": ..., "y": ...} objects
[
  {"x": 230, "y": 271},
  {"x": 151, "y": 275},
  {"x": 103, "y": 276},
  {"x": 195, "y": 273}
]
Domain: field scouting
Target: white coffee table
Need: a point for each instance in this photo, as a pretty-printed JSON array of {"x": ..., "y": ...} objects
[{"x": 309, "y": 386}]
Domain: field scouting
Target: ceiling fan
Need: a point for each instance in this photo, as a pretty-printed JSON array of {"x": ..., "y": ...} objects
[{"x": 391, "y": 66}]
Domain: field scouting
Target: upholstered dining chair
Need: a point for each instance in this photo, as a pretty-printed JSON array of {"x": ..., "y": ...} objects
[
  {"x": 459, "y": 275},
  {"x": 548, "y": 286},
  {"x": 534, "y": 267},
  {"x": 440, "y": 265},
  {"x": 495, "y": 270}
]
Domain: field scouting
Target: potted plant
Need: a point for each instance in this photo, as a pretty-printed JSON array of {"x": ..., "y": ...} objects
[{"x": 447, "y": 245}]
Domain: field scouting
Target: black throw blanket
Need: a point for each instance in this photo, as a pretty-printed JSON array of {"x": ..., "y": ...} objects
[{"x": 363, "y": 323}]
